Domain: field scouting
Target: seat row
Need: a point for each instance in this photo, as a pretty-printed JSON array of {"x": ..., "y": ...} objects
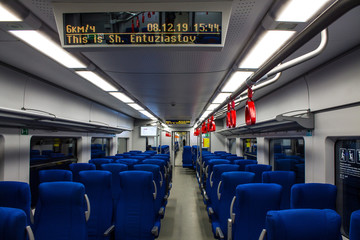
[{"x": 86, "y": 209}]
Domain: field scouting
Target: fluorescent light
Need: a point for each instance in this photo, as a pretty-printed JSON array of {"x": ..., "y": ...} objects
[
  {"x": 265, "y": 47},
  {"x": 300, "y": 10},
  {"x": 236, "y": 79},
  {"x": 96, "y": 80},
  {"x": 205, "y": 114},
  {"x": 48, "y": 47},
  {"x": 221, "y": 97},
  {"x": 135, "y": 106},
  {"x": 212, "y": 106},
  {"x": 7, "y": 16},
  {"x": 122, "y": 97},
  {"x": 146, "y": 113}
]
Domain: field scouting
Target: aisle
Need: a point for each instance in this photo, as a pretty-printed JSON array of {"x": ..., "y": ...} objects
[{"x": 185, "y": 217}]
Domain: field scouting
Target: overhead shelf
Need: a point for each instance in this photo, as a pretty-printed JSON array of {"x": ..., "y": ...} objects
[
  {"x": 23, "y": 119},
  {"x": 279, "y": 123}
]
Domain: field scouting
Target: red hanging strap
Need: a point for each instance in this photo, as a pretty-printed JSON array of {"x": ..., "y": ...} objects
[{"x": 250, "y": 111}]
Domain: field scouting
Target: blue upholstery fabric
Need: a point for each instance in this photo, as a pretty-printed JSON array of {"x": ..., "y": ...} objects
[
  {"x": 100, "y": 161},
  {"x": 253, "y": 201},
  {"x": 186, "y": 157},
  {"x": 355, "y": 225},
  {"x": 243, "y": 162},
  {"x": 300, "y": 224},
  {"x": 218, "y": 170},
  {"x": 229, "y": 182},
  {"x": 135, "y": 151},
  {"x": 130, "y": 162},
  {"x": 55, "y": 175},
  {"x": 258, "y": 169},
  {"x": 135, "y": 216},
  {"x": 284, "y": 178},
  {"x": 115, "y": 169},
  {"x": 161, "y": 163},
  {"x": 155, "y": 169},
  {"x": 60, "y": 212},
  {"x": 75, "y": 168},
  {"x": 16, "y": 195},
  {"x": 12, "y": 224},
  {"x": 313, "y": 195},
  {"x": 98, "y": 188}
]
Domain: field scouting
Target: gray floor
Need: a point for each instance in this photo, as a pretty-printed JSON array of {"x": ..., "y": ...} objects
[{"x": 185, "y": 216}]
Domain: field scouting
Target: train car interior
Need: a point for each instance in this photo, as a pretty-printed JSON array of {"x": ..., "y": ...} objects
[{"x": 167, "y": 119}]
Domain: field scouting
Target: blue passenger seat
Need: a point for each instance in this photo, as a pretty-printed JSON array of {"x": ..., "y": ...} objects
[
  {"x": 13, "y": 225},
  {"x": 186, "y": 157},
  {"x": 258, "y": 169},
  {"x": 355, "y": 225},
  {"x": 16, "y": 195},
  {"x": 135, "y": 216},
  {"x": 225, "y": 192},
  {"x": 98, "y": 189},
  {"x": 300, "y": 224},
  {"x": 75, "y": 168},
  {"x": 249, "y": 207},
  {"x": 284, "y": 178},
  {"x": 313, "y": 195},
  {"x": 100, "y": 161},
  {"x": 55, "y": 175},
  {"x": 61, "y": 211}
]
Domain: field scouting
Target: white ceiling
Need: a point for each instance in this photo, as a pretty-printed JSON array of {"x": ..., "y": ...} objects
[{"x": 172, "y": 83}]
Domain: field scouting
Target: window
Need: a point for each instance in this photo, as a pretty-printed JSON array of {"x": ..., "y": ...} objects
[
  {"x": 287, "y": 154},
  {"x": 100, "y": 147},
  {"x": 122, "y": 145},
  {"x": 250, "y": 148},
  {"x": 232, "y": 145},
  {"x": 347, "y": 179},
  {"x": 49, "y": 153}
]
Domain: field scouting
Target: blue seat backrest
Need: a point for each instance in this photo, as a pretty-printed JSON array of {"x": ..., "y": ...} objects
[
  {"x": 186, "y": 157},
  {"x": 354, "y": 232},
  {"x": 115, "y": 169},
  {"x": 160, "y": 183},
  {"x": 243, "y": 162},
  {"x": 55, "y": 175},
  {"x": 258, "y": 169},
  {"x": 159, "y": 162},
  {"x": 229, "y": 182},
  {"x": 135, "y": 215},
  {"x": 98, "y": 189},
  {"x": 60, "y": 212},
  {"x": 75, "y": 168},
  {"x": 284, "y": 178},
  {"x": 130, "y": 162},
  {"x": 99, "y": 161},
  {"x": 114, "y": 158},
  {"x": 313, "y": 195},
  {"x": 12, "y": 224},
  {"x": 135, "y": 151},
  {"x": 218, "y": 170},
  {"x": 300, "y": 224},
  {"x": 16, "y": 195},
  {"x": 253, "y": 201}
]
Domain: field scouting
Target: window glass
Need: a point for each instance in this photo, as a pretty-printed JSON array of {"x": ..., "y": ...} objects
[
  {"x": 49, "y": 153},
  {"x": 100, "y": 147},
  {"x": 122, "y": 145},
  {"x": 347, "y": 179},
  {"x": 232, "y": 145},
  {"x": 287, "y": 154},
  {"x": 250, "y": 148}
]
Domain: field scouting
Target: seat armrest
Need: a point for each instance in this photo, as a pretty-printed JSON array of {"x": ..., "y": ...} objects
[
  {"x": 229, "y": 226},
  {"x": 263, "y": 234},
  {"x": 155, "y": 231},
  {"x": 109, "y": 230},
  {"x": 30, "y": 233},
  {"x": 211, "y": 211},
  {"x": 219, "y": 233},
  {"x": 161, "y": 211}
]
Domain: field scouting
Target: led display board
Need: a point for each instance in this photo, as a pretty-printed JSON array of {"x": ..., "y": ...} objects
[
  {"x": 142, "y": 28},
  {"x": 176, "y": 122},
  {"x": 148, "y": 131}
]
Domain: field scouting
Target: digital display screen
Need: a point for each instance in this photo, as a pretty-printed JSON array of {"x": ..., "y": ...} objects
[
  {"x": 148, "y": 131},
  {"x": 142, "y": 28}
]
